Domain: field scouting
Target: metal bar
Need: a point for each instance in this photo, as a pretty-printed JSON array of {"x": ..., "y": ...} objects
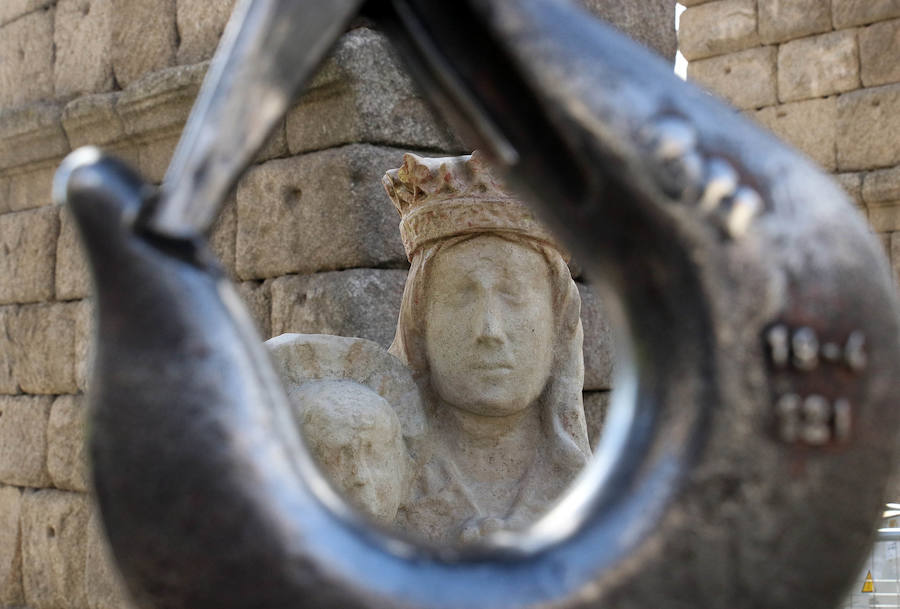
[
  {"x": 269, "y": 50},
  {"x": 888, "y": 534}
]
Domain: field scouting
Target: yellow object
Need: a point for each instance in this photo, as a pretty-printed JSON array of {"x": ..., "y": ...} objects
[{"x": 869, "y": 584}]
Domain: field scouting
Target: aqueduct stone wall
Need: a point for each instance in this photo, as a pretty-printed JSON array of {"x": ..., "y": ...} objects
[
  {"x": 122, "y": 74},
  {"x": 822, "y": 74}
]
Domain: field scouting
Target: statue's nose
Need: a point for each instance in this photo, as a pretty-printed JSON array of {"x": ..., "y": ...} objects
[{"x": 489, "y": 322}]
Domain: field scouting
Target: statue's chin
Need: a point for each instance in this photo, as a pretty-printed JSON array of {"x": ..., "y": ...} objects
[
  {"x": 486, "y": 407},
  {"x": 489, "y": 396}
]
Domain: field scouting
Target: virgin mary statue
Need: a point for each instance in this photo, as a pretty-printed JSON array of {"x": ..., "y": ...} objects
[
  {"x": 476, "y": 424},
  {"x": 490, "y": 328}
]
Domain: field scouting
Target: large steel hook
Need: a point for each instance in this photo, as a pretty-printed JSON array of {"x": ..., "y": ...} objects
[{"x": 761, "y": 317}]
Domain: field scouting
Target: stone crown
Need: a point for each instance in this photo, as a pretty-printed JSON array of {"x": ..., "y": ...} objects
[{"x": 444, "y": 197}]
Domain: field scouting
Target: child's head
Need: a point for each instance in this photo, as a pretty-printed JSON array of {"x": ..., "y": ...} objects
[{"x": 354, "y": 435}]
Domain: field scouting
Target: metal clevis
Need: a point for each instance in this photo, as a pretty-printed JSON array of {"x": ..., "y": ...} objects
[{"x": 761, "y": 323}]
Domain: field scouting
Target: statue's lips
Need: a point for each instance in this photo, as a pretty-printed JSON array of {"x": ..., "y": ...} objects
[{"x": 492, "y": 366}]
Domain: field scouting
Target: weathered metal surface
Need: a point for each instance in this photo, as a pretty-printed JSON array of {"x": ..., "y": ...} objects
[{"x": 761, "y": 377}]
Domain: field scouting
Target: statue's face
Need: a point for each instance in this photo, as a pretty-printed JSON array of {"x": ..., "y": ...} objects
[
  {"x": 489, "y": 326},
  {"x": 355, "y": 437}
]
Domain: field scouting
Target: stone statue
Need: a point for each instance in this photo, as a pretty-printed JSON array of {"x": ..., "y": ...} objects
[
  {"x": 358, "y": 409},
  {"x": 490, "y": 333}
]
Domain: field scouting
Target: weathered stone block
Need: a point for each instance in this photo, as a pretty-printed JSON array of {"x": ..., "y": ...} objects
[
  {"x": 4, "y": 194},
  {"x": 321, "y": 211},
  {"x": 93, "y": 120},
  {"x": 84, "y": 344},
  {"x": 11, "y": 592},
  {"x": 31, "y": 133},
  {"x": 885, "y": 239},
  {"x": 276, "y": 146},
  {"x": 83, "y": 39},
  {"x": 781, "y": 20},
  {"x": 746, "y": 79},
  {"x": 808, "y": 125},
  {"x": 598, "y": 345},
  {"x": 716, "y": 28},
  {"x": 13, "y": 9},
  {"x": 72, "y": 277},
  {"x": 360, "y": 302},
  {"x": 223, "y": 236},
  {"x": 30, "y": 185},
  {"x": 693, "y": 2},
  {"x": 105, "y": 588},
  {"x": 43, "y": 339},
  {"x": 23, "y": 440},
  {"x": 28, "y": 243},
  {"x": 651, "y": 22},
  {"x": 881, "y": 186},
  {"x": 885, "y": 217},
  {"x": 159, "y": 103},
  {"x": 818, "y": 66},
  {"x": 127, "y": 152},
  {"x": 895, "y": 264},
  {"x": 8, "y": 384},
  {"x": 200, "y": 24},
  {"x": 26, "y": 59},
  {"x": 868, "y": 120},
  {"x": 257, "y": 296},
  {"x": 852, "y": 184},
  {"x": 596, "y": 405},
  {"x": 54, "y": 535},
  {"x": 144, "y": 38},
  {"x": 847, "y": 13},
  {"x": 879, "y": 47},
  {"x": 66, "y": 452},
  {"x": 155, "y": 155},
  {"x": 362, "y": 94}
]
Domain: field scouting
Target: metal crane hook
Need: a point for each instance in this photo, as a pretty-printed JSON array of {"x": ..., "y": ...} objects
[{"x": 761, "y": 315}]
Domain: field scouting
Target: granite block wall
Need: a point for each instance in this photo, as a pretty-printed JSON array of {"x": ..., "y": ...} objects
[
  {"x": 123, "y": 74},
  {"x": 823, "y": 75}
]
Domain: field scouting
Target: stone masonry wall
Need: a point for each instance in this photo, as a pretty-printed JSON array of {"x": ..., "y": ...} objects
[
  {"x": 822, "y": 74},
  {"x": 308, "y": 235}
]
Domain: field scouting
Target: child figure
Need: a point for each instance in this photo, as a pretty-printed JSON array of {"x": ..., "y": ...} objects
[{"x": 355, "y": 437}]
